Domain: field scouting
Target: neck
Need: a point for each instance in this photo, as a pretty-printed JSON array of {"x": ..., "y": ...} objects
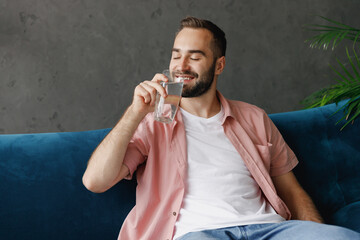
[{"x": 206, "y": 105}]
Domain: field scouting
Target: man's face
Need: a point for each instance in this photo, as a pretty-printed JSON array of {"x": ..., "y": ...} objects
[{"x": 193, "y": 60}]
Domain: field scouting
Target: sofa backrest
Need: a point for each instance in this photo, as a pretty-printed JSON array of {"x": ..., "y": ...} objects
[
  {"x": 41, "y": 191},
  {"x": 329, "y": 159}
]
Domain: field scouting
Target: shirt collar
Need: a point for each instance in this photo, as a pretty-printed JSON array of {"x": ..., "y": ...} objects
[{"x": 226, "y": 105}]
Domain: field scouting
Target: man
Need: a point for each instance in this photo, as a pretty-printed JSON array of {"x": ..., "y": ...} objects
[{"x": 220, "y": 170}]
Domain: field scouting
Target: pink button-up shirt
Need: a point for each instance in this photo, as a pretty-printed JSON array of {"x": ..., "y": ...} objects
[{"x": 158, "y": 152}]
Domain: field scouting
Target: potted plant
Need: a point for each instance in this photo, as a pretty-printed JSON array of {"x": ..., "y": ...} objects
[{"x": 348, "y": 75}]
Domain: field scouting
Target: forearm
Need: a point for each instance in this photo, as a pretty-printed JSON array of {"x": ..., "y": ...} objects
[
  {"x": 302, "y": 207},
  {"x": 298, "y": 201},
  {"x": 106, "y": 162}
]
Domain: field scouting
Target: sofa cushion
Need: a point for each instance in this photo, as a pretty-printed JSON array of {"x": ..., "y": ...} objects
[
  {"x": 348, "y": 216},
  {"x": 41, "y": 191}
]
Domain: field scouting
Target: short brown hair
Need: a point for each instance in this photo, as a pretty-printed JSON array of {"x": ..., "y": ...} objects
[{"x": 219, "y": 41}]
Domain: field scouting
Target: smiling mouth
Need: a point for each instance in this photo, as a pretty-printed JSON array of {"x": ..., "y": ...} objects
[{"x": 184, "y": 78}]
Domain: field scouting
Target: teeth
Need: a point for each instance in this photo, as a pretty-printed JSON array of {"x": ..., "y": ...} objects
[{"x": 183, "y": 78}]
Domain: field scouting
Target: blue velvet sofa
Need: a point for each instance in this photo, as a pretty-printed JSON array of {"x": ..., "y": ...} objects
[{"x": 42, "y": 196}]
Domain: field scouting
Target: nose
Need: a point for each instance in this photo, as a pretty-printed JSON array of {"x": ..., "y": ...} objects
[{"x": 184, "y": 64}]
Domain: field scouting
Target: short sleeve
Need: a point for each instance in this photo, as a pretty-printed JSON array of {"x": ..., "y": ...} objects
[{"x": 283, "y": 159}]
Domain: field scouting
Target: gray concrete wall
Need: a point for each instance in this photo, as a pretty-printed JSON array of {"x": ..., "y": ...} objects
[{"x": 72, "y": 65}]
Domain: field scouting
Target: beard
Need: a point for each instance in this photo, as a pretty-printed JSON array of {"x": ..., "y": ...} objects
[{"x": 202, "y": 85}]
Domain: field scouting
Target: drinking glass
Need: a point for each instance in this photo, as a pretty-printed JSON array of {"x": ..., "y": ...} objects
[{"x": 166, "y": 108}]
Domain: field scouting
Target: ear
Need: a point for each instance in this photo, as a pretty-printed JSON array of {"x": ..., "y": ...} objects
[{"x": 220, "y": 65}]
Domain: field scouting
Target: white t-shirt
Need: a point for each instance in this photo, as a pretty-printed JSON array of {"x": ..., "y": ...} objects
[{"x": 220, "y": 190}]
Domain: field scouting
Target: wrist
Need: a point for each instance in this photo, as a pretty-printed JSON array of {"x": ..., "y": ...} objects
[
  {"x": 134, "y": 115},
  {"x": 129, "y": 121}
]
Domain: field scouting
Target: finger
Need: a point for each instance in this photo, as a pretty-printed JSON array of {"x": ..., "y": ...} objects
[
  {"x": 158, "y": 87},
  {"x": 160, "y": 78},
  {"x": 140, "y": 91},
  {"x": 151, "y": 90}
]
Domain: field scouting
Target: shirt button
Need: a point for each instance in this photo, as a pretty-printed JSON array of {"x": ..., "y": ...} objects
[{"x": 174, "y": 213}]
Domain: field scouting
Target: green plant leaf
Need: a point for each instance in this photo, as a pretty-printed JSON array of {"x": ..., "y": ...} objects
[
  {"x": 318, "y": 27},
  {"x": 352, "y": 64},
  {"x": 357, "y": 113},
  {"x": 356, "y": 58},
  {"x": 336, "y": 42},
  {"x": 335, "y": 22},
  {"x": 345, "y": 70},
  {"x": 344, "y": 79},
  {"x": 335, "y": 33},
  {"x": 355, "y": 40},
  {"x": 348, "y": 86}
]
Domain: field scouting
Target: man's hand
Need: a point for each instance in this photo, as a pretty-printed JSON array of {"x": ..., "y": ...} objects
[{"x": 145, "y": 95}]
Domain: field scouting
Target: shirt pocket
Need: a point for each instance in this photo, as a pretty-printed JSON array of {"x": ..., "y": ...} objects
[{"x": 265, "y": 154}]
